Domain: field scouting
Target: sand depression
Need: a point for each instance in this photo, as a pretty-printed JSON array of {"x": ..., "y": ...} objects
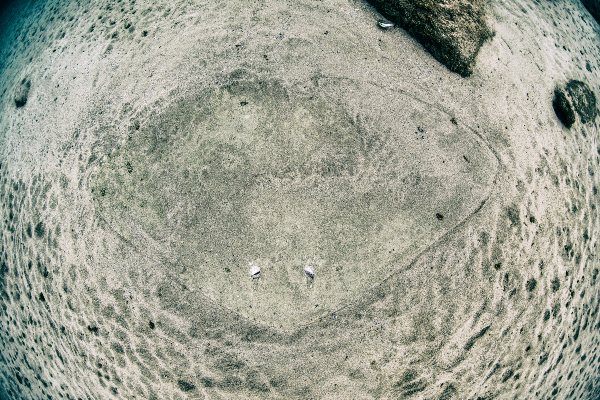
[{"x": 255, "y": 173}]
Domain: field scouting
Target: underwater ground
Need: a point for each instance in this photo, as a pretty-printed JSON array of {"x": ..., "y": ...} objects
[{"x": 283, "y": 200}]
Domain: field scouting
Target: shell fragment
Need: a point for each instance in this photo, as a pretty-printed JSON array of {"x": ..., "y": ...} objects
[
  {"x": 309, "y": 271},
  {"x": 385, "y": 24},
  {"x": 254, "y": 271}
]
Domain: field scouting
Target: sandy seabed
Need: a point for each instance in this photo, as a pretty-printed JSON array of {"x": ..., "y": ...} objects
[{"x": 150, "y": 151}]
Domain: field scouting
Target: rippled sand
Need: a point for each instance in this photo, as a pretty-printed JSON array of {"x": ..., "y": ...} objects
[{"x": 151, "y": 152}]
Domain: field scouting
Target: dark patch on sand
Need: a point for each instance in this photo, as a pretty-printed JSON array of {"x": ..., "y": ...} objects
[
  {"x": 207, "y": 382},
  {"x": 507, "y": 375},
  {"x": 448, "y": 393},
  {"x": 531, "y": 285},
  {"x": 93, "y": 329},
  {"x": 3, "y": 273},
  {"x": 513, "y": 215},
  {"x": 40, "y": 229},
  {"x": 185, "y": 386},
  {"x": 409, "y": 385},
  {"x": 452, "y": 31},
  {"x": 474, "y": 338},
  {"x": 555, "y": 285}
]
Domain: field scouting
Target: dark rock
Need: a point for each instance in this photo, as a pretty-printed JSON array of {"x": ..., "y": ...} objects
[
  {"x": 563, "y": 108},
  {"x": 453, "y": 31},
  {"x": 583, "y": 100},
  {"x": 22, "y": 93},
  {"x": 576, "y": 98}
]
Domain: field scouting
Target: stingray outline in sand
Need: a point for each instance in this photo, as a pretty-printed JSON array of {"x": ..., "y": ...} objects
[{"x": 358, "y": 299}]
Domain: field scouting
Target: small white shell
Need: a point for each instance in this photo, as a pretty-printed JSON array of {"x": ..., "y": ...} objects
[
  {"x": 385, "y": 24},
  {"x": 254, "y": 271},
  {"x": 309, "y": 271}
]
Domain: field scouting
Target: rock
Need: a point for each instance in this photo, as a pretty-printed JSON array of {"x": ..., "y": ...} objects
[
  {"x": 563, "y": 108},
  {"x": 583, "y": 99},
  {"x": 453, "y": 31},
  {"x": 575, "y": 98},
  {"x": 22, "y": 93}
]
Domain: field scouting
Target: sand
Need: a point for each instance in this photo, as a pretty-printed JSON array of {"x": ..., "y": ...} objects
[{"x": 151, "y": 152}]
